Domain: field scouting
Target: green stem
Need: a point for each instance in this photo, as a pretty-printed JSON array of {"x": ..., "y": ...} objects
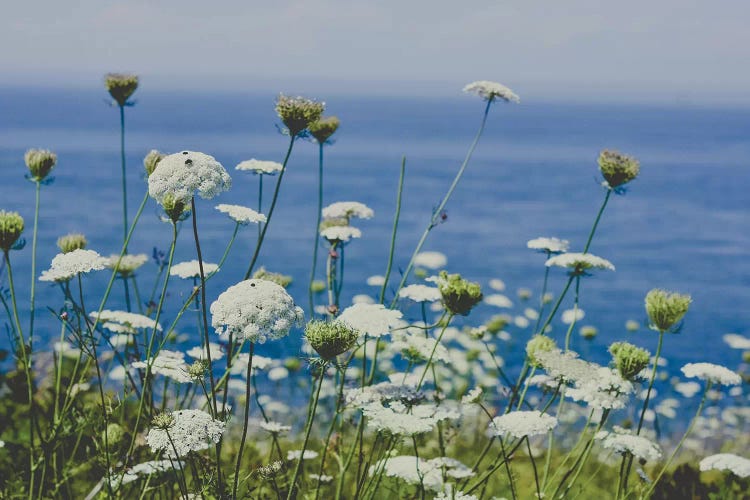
[
  {"x": 432, "y": 354},
  {"x": 32, "y": 301},
  {"x": 124, "y": 183},
  {"x": 317, "y": 229},
  {"x": 541, "y": 297},
  {"x": 396, "y": 217},
  {"x": 575, "y": 314},
  {"x": 245, "y": 421},
  {"x": 596, "y": 221}
]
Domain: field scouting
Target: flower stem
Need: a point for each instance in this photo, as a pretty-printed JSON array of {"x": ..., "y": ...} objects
[
  {"x": 396, "y": 218},
  {"x": 248, "y": 383},
  {"x": 33, "y": 267},
  {"x": 596, "y": 221},
  {"x": 317, "y": 228},
  {"x": 124, "y": 183}
]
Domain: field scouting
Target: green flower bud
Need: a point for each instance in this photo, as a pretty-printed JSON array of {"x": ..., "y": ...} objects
[
  {"x": 459, "y": 295},
  {"x": 114, "y": 434},
  {"x": 617, "y": 168},
  {"x": 632, "y": 325},
  {"x": 666, "y": 309},
  {"x": 40, "y": 162},
  {"x": 298, "y": 113},
  {"x": 292, "y": 364},
  {"x": 318, "y": 286},
  {"x": 163, "y": 421},
  {"x": 173, "y": 207},
  {"x": 324, "y": 128},
  {"x": 278, "y": 278},
  {"x": 746, "y": 356},
  {"x": 473, "y": 355},
  {"x": 588, "y": 332},
  {"x": 121, "y": 86},
  {"x": 198, "y": 370},
  {"x": 11, "y": 227},
  {"x": 71, "y": 241},
  {"x": 151, "y": 160},
  {"x": 330, "y": 338},
  {"x": 497, "y": 322},
  {"x": 537, "y": 344},
  {"x": 629, "y": 360},
  {"x": 524, "y": 293},
  {"x": 420, "y": 273}
]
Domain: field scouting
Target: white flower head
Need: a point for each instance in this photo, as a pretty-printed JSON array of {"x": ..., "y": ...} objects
[
  {"x": 623, "y": 442},
  {"x": 523, "y": 423},
  {"x": 125, "y": 322},
  {"x": 168, "y": 363},
  {"x": 275, "y": 427},
  {"x": 548, "y": 245},
  {"x": 191, "y": 269},
  {"x": 262, "y": 167},
  {"x": 420, "y": 293},
  {"x": 736, "y": 341},
  {"x": 372, "y": 319},
  {"x": 713, "y": 373},
  {"x": 737, "y": 465},
  {"x": 128, "y": 264},
  {"x": 419, "y": 347},
  {"x": 199, "y": 352},
  {"x": 178, "y": 176},
  {"x": 68, "y": 265},
  {"x": 192, "y": 430},
  {"x": 340, "y": 233},
  {"x": 347, "y": 210},
  {"x": 491, "y": 90},
  {"x": 241, "y": 215},
  {"x": 579, "y": 262},
  {"x": 256, "y": 310},
  {"x": 431, "y": 260}
]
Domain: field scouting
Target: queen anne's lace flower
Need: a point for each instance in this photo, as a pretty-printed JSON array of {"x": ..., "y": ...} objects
[
  {"x": 372, "y": 319},
  {"x": 67, "y": 265},
  {"x": 192, "y": 430},
  {"x": 191, "y": 269},
  {"x": 240, "y": 214},
  {"x": 491, "y": 90},
  {"x": 737, "y": 465},
  {"x": 735, "y": 341},
  {"x": 168, "y": 363},
  {"x": 622, "y": 443},
  {"x": 604, "y": 389},
  {"x": 550, "y": 245},
  {"x": 579, "y": 262},
  {"x": 199, "y": 352},
  {"x": 713, "y": 373},
  {"x": 420, "y": 293},
  {"x": 523, "y": 423},
  {"x": 419, "y": 347},
  {"x": 498, "y": 300},
  {"x": 124, "y": 322},
  {"x": 260, "y": 166},
  {"x": 255, "y": 310},
  {"x": 340, "y": 233},
  {"x": 347, "y": 210},
  {"x": 414, "y": 470},
  {"x": 275, "y": 427},
  {"x": 178, "y": 176},
  {"x": 430, "y": 260},
  {"x": 128, "y": 264},
  {"x": 153, "y": 466}
]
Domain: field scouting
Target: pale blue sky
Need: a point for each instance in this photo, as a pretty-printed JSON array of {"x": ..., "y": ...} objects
[{"x": 656, "y": 50}]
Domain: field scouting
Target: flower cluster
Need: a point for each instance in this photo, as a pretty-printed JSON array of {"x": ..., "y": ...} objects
[
  {"x": 168, "y": 363},
  {"x": 579, "y": 263},
  {"x": 347, "y": 210},
  {"x": 124, "y": 322},
  {"x": 666, "y": 309},
  {"x": 128, "y": 264},
  {"x": 240, "y": 214},
  {"x": 371, "y": 319},
  {"x": 68, "y": 265},
  {"x": 737, "y": 465},
  {"x": 71, "y": 241},
  {"x": 121, "y": 86},
  {"x": 712, "y": 373},
  {"x": 324, "y": 128},
  {"x": 420, "y": 293},
  {"x": 330, "y": 338},
  {"x": 523, "y": 423},
  {"x": 489, "y": 91},
  {"x": 260, "y": 167},
  {"x": 40, "y": 162},
  {"x": 622, "y": 442},
  {"x": 11, "y": 227},
  {"x": 298, "y": 113},
  {"x": 617, "y": 168},
  {"x": 191, "y": 269},
  {"x": 548, "y": 245},
  {"x": 190, "y": 430},
  {"x": 459, "y": 295},
  {"x": 179, "y": 176}
]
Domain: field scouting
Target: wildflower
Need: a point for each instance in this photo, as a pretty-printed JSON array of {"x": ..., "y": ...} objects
[
  {"x": 275, "y": 427},
  {"x": 11, "y": 227},
  {"x": 199, "y": 352},
  {"x": 737, "y": 465},
  {"x": 735, "y": 341},
  {"x": 579, "y": 263},
  {"x": 376, "y": 280},
  {"x": 240, "y": 214},
  {"x": 431, "y": 260},
  {"x": 71, "y": 241},
  {"x": 420, "y": 348},
  {"x": 629, "y": 360},
  {"x": 128, "y": 264},
  {"x": 497, "y": 322},
  {"x": 321, "y": 478},
  {"x": 191, "y": 269},
  {"x": 524, "y": 293},
  {"x": 154, "y": 466},
  {"x": 151, "y": 160},
  {"x": 473, "y": 396},
  {"x": 278, "y": 373},
  {"x": 570, "y": 316},
  {"x": 712, "y": 373},
  {"x": 497, "y": 284},
  {"x": 330, "y": 338},
  {"x": 40, "y": 162},
  {"x": 617, "y": 168},
  {"x": 565, "y": 366},
  {"x": 324, "y": 128},
  {"x": 114, "y": 433},
  {"x": 687, "y": 389},
  {"x": 68, "y": 265},
  {"x": 623, "y": 443},
  {"x": 459, "y": 295},
  {"x": 371, "y": 319},
  {"x": 347, "y": 210},
  {"x": 255, "y": 310},
  {"x": 666, "y": 309},
  {"x": 537, "y": 344},
  {"x": 175, "y": 208},
  {"x": 415, "y": 471},
  {"x": 498, "y": 300},
  {"x": 168, "y": 363},
  {"x": 490, "y": 91},
  {"x": 272, "y": 470},
  {"x": 124, "y": 322},
  {"x": 296, "y": 454},
  {"x": 400, "y": 419},
  {"x": 602, "y": 389},
  {"x": 198, "y": 370},
  {"x": 340, "y": 233},
  {"x": 420, "y": 293},
  {"x": 632, "y": 325},
  {"x": 298, "y": 113},
  {"x": 121, "y": 86},
  {"x": 178, "y": 176},
  {"x": 261, "y": 167},
  {"x": 523, "y": 423},
  {"x": 548, "y": 245},
  {"x": 191, "y": 430},
  {"x": 588, "y": 332}
]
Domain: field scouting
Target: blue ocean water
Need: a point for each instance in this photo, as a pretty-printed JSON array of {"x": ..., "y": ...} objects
[{"x": 682, "y": 225}]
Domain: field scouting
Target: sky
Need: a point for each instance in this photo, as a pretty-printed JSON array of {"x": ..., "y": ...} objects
[{"x": 647, "y": 50}]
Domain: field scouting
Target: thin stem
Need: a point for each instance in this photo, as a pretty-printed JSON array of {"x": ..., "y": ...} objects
[
  {"x": 596, "y": 221},
  {"x": 432, "y": 354},
  {"x": 245, "y": 422},
  {"x": 33, "y": 267},
  {"x": 575, "y": 314},
  {"x": 124, "y": 183},
  {"x": 507, "y": 468},
  {"x": 270, "y": 209},
  {"x": 533, "y": 465},
  {"x": 541, "y": 297},
  {"x": 396, "y": 218},
  {"x": 317, "y": 228}
]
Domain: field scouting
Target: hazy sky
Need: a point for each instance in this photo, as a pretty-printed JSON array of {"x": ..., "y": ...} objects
[{"x": 668, "y": 50}]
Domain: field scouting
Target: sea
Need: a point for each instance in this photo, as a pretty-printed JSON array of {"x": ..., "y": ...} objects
[{"x": 682, "y": 225}]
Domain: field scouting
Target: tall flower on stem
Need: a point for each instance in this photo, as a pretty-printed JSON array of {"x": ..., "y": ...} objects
[{"x": 121, "y": 87}]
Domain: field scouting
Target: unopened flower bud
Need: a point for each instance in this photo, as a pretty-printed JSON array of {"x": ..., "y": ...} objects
[
  {"x": 629, "y": 360},
  {"x": 459, "y": 295},
  {"x": 330, "y": 338},
  {"x": 278, "y": 278},
  {"x": 324, "y": 128},
  {"x": 151, "y": 160},
  {"x": 11, "y": 227},
  {"x": 40, "y": 162},
  {"x": 666, "y": 309},
  {"x": 121, "y": 86},
  {"x": 173, "y": 207},
  {"x": 588, "y": 332},
  {"x": 163, "y": 421},
  {"x": 537, "y": 344},
  {"x": 114, "y": 434},
  {"x": 298, "y": 113},
  {"x": 617, "y": 168},
  {"x": 198, "y": 369},
  {"x": 71, "y": 241}
]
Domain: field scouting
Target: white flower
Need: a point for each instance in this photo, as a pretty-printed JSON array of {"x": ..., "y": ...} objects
[
  {"x": 239, "y": 366},
  {"x": 68, "y": 265},
  {"x": 168, "y": 363},
  {"x": 497, "y": 284},
  {"x": 736, "y": 341},
  {"x": 498, "y": 300},
  {"x": 340, "y": 233},
  {"x": 523, "y": 423},
  {"x": 430, "y": 260},
  {"x": 739, "y": 466},
  {"x": 687, "y": 389},
  {"x": 180, "y": 175},
  {"x": 321, "y": 478},
  {"x": 296, "y": 454},
  {"x": 192, "y": 430},
  {"x": 549, "y": 245},
  {"x": 420, "y": 293},
  {"x": 275, "y": 427},
  {"x": 413, "y": 470},
  {"x": 491, "y": 90},
  {"x": 638, "y": 446},
  {"x": 199, "y": 352},
  {"x": 402, "y": 420},
  {"x": 579, "y": 262},
  {"x": 256, "y": 310},
  {"x": 125, "y": 322},
  {"x": 153, "y": 466},
  {"x": 420, "y": 347},
  {"x": 240, "y": 214},
  {"x": 376, "y": 280},
  {"x": 128, "y": 263},
  {"x": 260, "y": 166},
  {"x": 191, "y": 269},
  {"x": 572, "y": 315},
  {"x": 372, "y": 319},
  {"x": 564, "y": 365},
  {"x": 604, "y": 389},
  {"x": 347, "y": 210},
  {"x": 473, "y": 396},
  {"x": 712, "y": 373},
  {"x": 277, "y": 373},
  {"x": 361, "y": 298}
]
